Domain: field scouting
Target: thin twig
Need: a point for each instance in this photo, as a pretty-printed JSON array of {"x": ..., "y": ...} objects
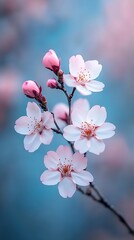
[{"x": 100, "y": 199}]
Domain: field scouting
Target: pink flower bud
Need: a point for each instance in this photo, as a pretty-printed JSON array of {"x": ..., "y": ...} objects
[
  {"x": 52, "y": 83},
  {"x": 31, "y": 89},
  {"x": 51, "y": 61}
]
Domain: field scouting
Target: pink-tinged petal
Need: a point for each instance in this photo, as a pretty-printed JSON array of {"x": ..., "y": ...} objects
[
  {"x": 96, "y": 115},
  {"x": 96, "y": 146},
  {"x": 82, "y": 105},
  {"x": 79, "y": 111},
  {"x": 64, "y": 153},
  {"x": 95, "y": 86},
  {"x": 66, "y": 187},
  {"x": 22, "y": 126},
  {"x": 82, "y": 178},
  {"x": 33, "y": 111},
  {"x": 61, "y": 111},
  {"x": 83, "y": 90},
  {"x": 69, "y": 80},
  {"x": 79, "y": 162},
  {"x": 46, "y": 136},
  {"x": 50, "y": 177},
  {"x": 71, "y": 133},
  {"x": 51, "y": 160},
  {"x": 105, "y": 131},
  {"x": 47, "y": 119},
  {"x": 32, "y": 142},
  {"x": 81, "y": 145},
  {"x": 76, "y": 64},
  {"x": 77, "y": 118},
  {"x": 94, "y": 68}
]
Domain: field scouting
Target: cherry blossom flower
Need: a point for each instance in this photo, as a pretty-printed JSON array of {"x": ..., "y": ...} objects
[
  {"x": 61, "y": 111},
  {"x": 82, "y": 75},
  {"x": 88, "y": 129},
  {"x": 36, "y": 126},
  {"x": 65, "y": 169}
]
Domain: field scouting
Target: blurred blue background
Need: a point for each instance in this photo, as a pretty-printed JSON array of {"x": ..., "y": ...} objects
[{"x": 101, "y": 30}]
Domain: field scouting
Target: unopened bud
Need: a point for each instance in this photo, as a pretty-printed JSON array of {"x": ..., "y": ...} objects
[
  {"x": 31, "y": 89},
  {"x": 52, "y": 83},
  {"x": 51, "y": 61}
]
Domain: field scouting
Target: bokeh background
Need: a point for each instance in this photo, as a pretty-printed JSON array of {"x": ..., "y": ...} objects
[{"x": 101, "y": 30}]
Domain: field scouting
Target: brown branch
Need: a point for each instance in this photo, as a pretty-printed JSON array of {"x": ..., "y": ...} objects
[{"x": 100, "y": 199}]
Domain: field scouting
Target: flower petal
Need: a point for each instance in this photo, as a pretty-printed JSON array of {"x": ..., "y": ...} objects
[
  {"x": 50, "y": 177},
  {"x": 22, "y": 125},
  {"x": 79, "y": 111},
  {"x": 79, "y": 162},
  {"x": 82, "y": 178},
  {"x": 81, "y": 145},
  {"x": 33, "y": 111},
  {"x": 71, "y": 133},
  {"x": 47, "y": 119},
  {"x": 96, "y": 146},
  {"x": 69, "y": 80},
  {"x": 64, "y": 153},
  {"x": 96, "y": 115},
  {"x": 66, "y": 187},
  {"x": 95, "y": 86},
  {"x": 83, "y": 90},
  {"x": 76, "y": 64},
  {"x": 51, "y": 160},
  {"x": 46, "y": 136},
  {"x": 81, "y": 102},
  {"x": 105, "y": 131},
  {"x": 94, "y": 68},
  {"x": 32, "y": 142}
]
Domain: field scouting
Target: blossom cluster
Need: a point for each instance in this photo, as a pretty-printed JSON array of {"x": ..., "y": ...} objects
[{"x": 83, "y": 127}]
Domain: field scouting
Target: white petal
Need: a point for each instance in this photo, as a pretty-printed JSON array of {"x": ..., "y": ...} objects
[
  {"x": 76, "y": 64},
  {"x": 50, "y": 177},
  {"x": 96, "y": 146},
  {"x": 82, "y": 178},
  {"x": 79, "y": 162},
  {"x": 94, "y": 68},
  {"x": 83, "y": 90},
  {"x": 46, "y": 136},
  {"x": 96, "y": 115},
  {"x": 69, "y": 80},
  {"x": 23, "y": 125},
  {"x": 32, "y": 142},
  {"x": 81, "y": 145},
  {"x": 105, "y": 131},
  {"x": 66, "y": 187},
  {"x": 71, "y": 133},
  {"x": 64, "y": 153},
  {"x": 33, "y": 111},
  {"x": 47, "y": 119},
  {"x": 51, "y": 160},
  {"x": 79, "y": 111},
  {"x": 78, "y": 117},
  {"x": 95, "y": 86},
  {"x": 81, "y": 105}
]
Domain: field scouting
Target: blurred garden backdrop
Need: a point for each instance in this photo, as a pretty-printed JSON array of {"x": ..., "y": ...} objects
[{"x": 101, "y": 30}]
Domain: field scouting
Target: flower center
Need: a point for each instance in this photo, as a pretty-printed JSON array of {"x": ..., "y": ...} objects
[
  {"x": 87, "y": 130},
  {"x": 65, "y": 169},
  {"x": 83, "y": 76}
]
